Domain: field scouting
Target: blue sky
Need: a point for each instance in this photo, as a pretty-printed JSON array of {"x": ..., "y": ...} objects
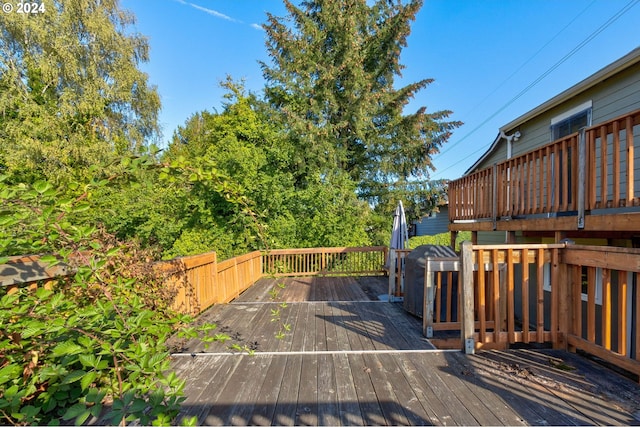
[{"x": 481, "y": 53}]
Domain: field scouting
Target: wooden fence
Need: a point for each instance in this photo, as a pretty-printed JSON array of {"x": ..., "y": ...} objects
[
  {"x": 571, "y": 296},
  {"x": 605, "y": 304},
  {"x": 325, "y": 261},
  {"x": 200, "y": 281},
  {"x": 591, "y": 169}
]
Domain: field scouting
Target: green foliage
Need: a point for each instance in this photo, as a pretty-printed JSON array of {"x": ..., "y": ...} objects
[
  {"x": 443, "y": 239},
  {"x": 94, "y": 343},
  {"x": 71, "y": 93},
  {"x": 254, "y": 156},
  {"x": 332, "y": 83},
  {"x": 276, "y": 313}
]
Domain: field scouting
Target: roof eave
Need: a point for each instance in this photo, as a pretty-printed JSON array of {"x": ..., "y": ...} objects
[{"x": 623, "y": 63}]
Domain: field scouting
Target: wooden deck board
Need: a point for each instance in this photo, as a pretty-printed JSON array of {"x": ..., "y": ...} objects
[
  {"x": 329, "y": 410},
  {"x": 265, "y": 405},
  {"x": 285, "y": 411},
  {"x": 307, "y": 403},
  {"x": 349, "y": 409},
  {"x": 348, "y": 362}
]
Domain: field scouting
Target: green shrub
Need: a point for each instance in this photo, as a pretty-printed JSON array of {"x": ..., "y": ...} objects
[
  {"x": 443, "y": 239},
  {"x": 93, "y": 339}
]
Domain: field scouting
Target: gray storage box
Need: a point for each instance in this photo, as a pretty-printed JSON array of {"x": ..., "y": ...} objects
[{"x": 414, "y": 274}]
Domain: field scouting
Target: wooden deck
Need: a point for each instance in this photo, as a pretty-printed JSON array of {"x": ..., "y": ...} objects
[{"x": 350, "y": 359}]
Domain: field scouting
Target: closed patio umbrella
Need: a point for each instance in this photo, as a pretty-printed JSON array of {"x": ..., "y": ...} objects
[
  {"x": 399, "y": 233},
  {"x": 399, "y": 240}
]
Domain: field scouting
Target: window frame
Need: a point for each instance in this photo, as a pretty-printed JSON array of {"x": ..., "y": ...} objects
[
  {"x": 547, "y": 283},
  {"x": 557, "y": 121}
]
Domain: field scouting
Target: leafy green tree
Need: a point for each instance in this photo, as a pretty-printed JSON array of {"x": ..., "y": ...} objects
[
  {"x": 332, "y": 81},
  {"x": 418, "y": 197},
  {"x": 71, "y": 92},
  {"x": 443, "y": 239},
  {"x": 325, "y": 213},
  {"x": 244, "y": 148},
  {"x": 256, "y": 157}
]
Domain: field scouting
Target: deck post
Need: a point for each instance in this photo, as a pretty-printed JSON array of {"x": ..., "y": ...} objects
[
  {"x": 427, "y": 310},
  {"x": 564, "y": 303},
  {"x": 468, "y": 318},
  {"x": 582, "y": 182}
]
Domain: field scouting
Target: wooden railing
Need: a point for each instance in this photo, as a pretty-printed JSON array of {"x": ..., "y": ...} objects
[
  {"x": 325, "y": 261},
  {"x": 28, "y": 270},
  {"x": 606, "y": 303},
  {"x": 497, "y": 319},
  {"x": 396, "y": 268},
  {"x": 591, "y": 169},
  {"x": 574, "y": 297},
  {"x": 200, "y": 281}
]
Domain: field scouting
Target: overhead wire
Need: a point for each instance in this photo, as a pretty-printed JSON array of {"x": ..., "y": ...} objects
[
  {"x": 534, "y": 55},
  {"x": 572, "y": 52}
]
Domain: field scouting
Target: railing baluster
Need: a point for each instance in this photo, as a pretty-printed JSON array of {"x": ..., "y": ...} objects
[
  {"x": 591, "y": 168},
  {"x": 481, "y": 296},
  {"x": 615, "y": 167},
  {"x": 606, "y": 308},
  {"x": 582, "y": 164},
  {"x": 630, "y": 162},
  {"x": 603, "y": 167},
  {"x": 622, "y": 312}
]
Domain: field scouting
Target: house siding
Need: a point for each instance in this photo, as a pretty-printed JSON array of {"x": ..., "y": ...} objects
[
  {"x": 432, "y": 225},
  {"x": 491, "y": 237},
  {"x": 610, "y": 98}
]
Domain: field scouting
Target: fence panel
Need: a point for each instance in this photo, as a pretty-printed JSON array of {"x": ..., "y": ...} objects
[
  {"x": 510, "y": 303},
  {"x": 325, "y": 261},
  {"x": 606, "y": 303}
]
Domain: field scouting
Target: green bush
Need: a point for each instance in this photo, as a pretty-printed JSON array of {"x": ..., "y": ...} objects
[
  {"x": 443, "y": 239},
  {"x": 92, "y": 344}
]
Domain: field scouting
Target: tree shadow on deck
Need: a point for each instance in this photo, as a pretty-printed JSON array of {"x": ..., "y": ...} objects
[
  {"x": 354, "y": 413},
  {"x": 549, "y": 387},
  {"x": 369, "y": 326}
]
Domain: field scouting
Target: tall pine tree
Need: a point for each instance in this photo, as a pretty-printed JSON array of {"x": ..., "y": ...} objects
[{"x": 332, "y": 79}]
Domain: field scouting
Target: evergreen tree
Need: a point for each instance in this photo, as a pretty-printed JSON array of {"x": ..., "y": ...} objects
[
  {"x": 332, "y": 82},
  {"x": 71, "y": 91}
]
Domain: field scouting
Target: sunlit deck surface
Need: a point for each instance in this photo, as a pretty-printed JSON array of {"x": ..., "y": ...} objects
[{"x": 351, "y": 359}]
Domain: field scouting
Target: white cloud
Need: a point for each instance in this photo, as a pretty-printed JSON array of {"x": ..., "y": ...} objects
[
  {"x": 208, "y": 11},
  {"x": 257, "y": 26},
  {"x": 213, "y": 12}
]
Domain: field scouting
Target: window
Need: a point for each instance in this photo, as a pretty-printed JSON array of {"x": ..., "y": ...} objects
[
  {"x": 571, "y": 121},
  {"x": 562, "y": 125},
  {"x": 584, "y": 282}
]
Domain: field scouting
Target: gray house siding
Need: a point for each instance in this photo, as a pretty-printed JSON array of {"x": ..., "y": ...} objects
[
  {"x": 491, "y": 237},
  {"x": 437, "y": 223},
  {"x": 499, "y": 155},
  {"x": 610, "y": 98}
]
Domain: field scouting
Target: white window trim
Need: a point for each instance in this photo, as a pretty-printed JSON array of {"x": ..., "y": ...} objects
[
  {"x": 598, "y": 287},
  {"x": 572, "y": 112},
  {"x": 584, "y": 297}
]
